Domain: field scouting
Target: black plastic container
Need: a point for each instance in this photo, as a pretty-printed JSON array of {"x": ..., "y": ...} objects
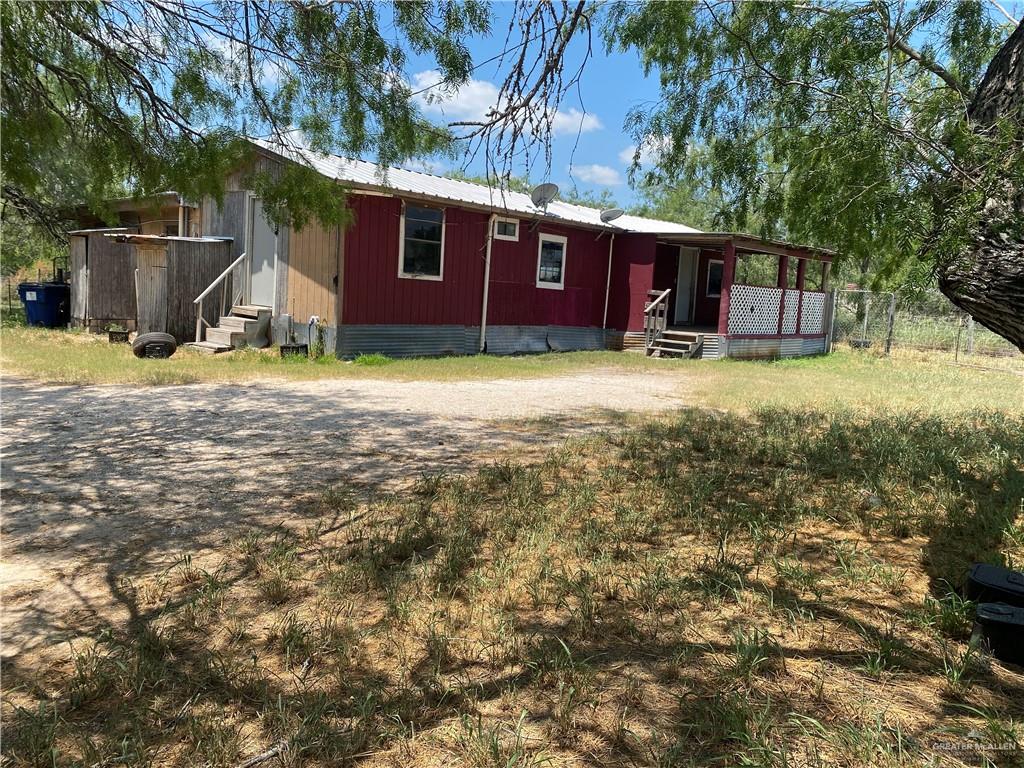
[
  {"x": 295, "y": 350},
  {"x": 1003, "y": 627},
  {"x": 992, "y": 584},
  {"x": 117, "y": 337}
]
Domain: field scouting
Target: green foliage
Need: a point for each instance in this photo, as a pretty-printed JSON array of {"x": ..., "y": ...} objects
[
  {"x": 822, "y": 122},
  {"x": 23, "y": 244},
  {"x": 162, "y": 95}
]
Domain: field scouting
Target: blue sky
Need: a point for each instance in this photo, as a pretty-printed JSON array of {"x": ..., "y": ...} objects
[{"x": 590, "y": 151}]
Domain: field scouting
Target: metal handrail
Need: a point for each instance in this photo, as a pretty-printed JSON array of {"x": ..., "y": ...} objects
[{"x": 198, "y": 301}]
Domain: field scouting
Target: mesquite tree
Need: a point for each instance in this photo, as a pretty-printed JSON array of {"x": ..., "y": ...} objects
[
  {"x": 884, "y": 129},
  {"x": 133, "y": 97}
]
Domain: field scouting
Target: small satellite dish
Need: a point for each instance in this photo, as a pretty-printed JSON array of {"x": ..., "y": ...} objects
[
  {"x": 611, "y": 214},
  {"x": 543, "y": 194}
]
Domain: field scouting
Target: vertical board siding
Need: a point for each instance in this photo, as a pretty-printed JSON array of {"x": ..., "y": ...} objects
[
  {"x": 373, "y": 294},
  {"x": 632, "y": 277},
  {"x": 79, "y": 280},
  {"x": 313, "y": 264},
  {"x": 111, "y": 281},
  {"x": 515, "y": 298},
  {"x": 191, "y": 267}
]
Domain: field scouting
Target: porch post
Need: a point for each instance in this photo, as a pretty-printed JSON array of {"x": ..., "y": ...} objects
[
  {"x": 800, "y": 267},
  {"x": 728, "y": 273},
  {"x": 781, "y": 285}
]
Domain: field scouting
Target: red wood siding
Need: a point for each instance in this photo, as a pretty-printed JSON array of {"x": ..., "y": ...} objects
[
  {"x": 375, "y": 295},
  {"x": 515, "y": 298},
  {"x": 632, "y": 278},
  {"x": 705, "y": 310},
  {"x": 373, "y": 292}
]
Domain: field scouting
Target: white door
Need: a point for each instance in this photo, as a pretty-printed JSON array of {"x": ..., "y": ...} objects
[
  {"x": 262, "y": 256},
  {"x": 684, "y": 285}
]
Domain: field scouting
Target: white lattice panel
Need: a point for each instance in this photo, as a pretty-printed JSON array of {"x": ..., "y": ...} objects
[
  {"x": 789, "y": 311},
  {"x": 754, "y": 310},
  {"x": 812, "y": 315}
]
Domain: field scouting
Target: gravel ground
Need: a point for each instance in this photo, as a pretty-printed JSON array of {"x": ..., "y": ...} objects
[{"x": 103, "y": 482}]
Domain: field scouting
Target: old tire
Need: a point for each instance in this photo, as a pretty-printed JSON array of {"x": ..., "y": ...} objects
[{"x": 156, "y": 345}]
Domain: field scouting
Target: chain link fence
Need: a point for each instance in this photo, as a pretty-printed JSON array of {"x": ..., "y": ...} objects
[{"x": 886, "y": 323}]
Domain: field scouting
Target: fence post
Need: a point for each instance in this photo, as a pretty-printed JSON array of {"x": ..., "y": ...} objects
[
  {"x": 970, "y": 334},
  {"x": 891, "y": 323},
  {"x": 867, "y": 309},
  {"x": 830, "y": 338}
]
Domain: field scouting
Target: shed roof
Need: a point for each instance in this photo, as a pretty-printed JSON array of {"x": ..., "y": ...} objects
[{"x": 365, "y": 175}]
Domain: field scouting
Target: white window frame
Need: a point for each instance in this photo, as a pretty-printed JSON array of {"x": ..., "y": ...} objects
[
  {"x": 707, "y": 280},
  {"x": 402, "y": 274},
  {"x": 546, "y": 238},
  {"x": 506, "y": 220}
]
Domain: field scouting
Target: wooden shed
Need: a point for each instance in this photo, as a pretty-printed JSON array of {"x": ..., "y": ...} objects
[{"x": 144, "y": 282}]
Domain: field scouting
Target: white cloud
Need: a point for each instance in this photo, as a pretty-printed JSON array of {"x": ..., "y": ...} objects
[
  {"x": 573, "y": 121},
  {"x": 474, "y": 99},
  {"x": 597, "y": 174},
  {"x": 650, "y": 153},
  {"x": 425, "y": 165}
]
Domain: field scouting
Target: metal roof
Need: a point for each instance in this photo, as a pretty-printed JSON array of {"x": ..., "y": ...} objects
[{"x": 365, "y": 175}]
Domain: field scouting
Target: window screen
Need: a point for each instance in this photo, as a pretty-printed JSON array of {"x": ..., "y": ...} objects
[
  {"x": 757, "y": 269},
  {"x": 421, "y": 253},
  {"x": 552, "y": 261},
  {"x": 506, "y": 229},
  {"x": 792, "y": 271},
  {"x": 814, "y": 275}
]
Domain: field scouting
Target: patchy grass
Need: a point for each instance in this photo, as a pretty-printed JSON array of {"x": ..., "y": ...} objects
[
  {"x": 773, "y": 588},
  {"x": 850, "y": 379},
  {"x": 71, "y": 357}
]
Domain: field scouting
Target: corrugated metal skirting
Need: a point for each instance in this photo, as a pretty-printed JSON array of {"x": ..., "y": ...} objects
[
  {"x": 407, "y": 340},
  {"x": 435, "y": 340}
]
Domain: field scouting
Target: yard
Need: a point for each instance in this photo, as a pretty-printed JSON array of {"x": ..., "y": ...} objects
[{"x": 579, "y": 559}]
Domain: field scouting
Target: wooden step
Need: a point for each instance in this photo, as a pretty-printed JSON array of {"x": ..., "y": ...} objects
[
  {"x": 230, "y": 336},
  {"x": 680, "y": 335},
  {"x": 249, "y": 310},
  {"x": 661, "y": 351},
  {"x": 208, "y": 347},
  {"x": 673, "y": 342},
  {"x": 236, "y": 323}
]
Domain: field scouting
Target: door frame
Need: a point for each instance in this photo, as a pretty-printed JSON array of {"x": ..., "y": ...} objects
[
  {"x": 251, "y": 199},
  {"x": 694, "y": 263}
]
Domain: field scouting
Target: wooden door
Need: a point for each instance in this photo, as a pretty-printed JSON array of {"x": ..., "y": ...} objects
[
  {"x": 151, "y": 289},
  {"x": 79, "y": 280}
]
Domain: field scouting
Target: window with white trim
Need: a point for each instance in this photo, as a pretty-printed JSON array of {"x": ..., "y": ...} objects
[
  {"x": 421, "y": 242},
  {"x": 551, "y": 261},
  {"x": 506, "y": 229},
  {"x": 716, "y": 269}
]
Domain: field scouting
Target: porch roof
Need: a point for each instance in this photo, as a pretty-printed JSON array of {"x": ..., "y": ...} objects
[{"x": 748, "y": 243}]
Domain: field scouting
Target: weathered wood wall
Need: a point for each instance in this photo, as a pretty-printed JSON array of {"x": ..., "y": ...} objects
[
  {"x": 191, "y": 266},
  {"x": 79, "y": 280},
  {"x": 151, "y": 288},
  {"x": 111, "y": 271},
  {"x": 313, "y": 271}
]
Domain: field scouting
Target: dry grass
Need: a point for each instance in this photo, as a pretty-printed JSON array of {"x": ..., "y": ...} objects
[{"x": 772, "y": 589}]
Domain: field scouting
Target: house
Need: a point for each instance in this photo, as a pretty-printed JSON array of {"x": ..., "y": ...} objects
[{"x": 434, "y": 266}]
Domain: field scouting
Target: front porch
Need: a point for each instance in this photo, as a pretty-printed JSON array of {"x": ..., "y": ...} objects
[{"x": 732, "y": 295}]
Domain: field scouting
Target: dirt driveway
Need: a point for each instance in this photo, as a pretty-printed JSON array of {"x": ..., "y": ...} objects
[{"x": 100, "y": 482}]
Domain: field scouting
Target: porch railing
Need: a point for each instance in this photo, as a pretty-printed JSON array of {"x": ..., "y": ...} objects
[
  {"x": 655, "y": 317},
  {"x": 221, "y": 281}
]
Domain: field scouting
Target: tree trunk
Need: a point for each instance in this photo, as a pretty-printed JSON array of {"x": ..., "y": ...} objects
[{"x": 986, "y": 279}]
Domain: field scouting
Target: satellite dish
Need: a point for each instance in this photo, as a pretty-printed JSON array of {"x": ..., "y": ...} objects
[
  {"x": 543, "y": 194},
  {"x": 611, "y": 214}
]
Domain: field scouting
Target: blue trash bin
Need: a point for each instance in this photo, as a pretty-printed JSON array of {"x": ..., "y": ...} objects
[{"x": 46, "y": 304}]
